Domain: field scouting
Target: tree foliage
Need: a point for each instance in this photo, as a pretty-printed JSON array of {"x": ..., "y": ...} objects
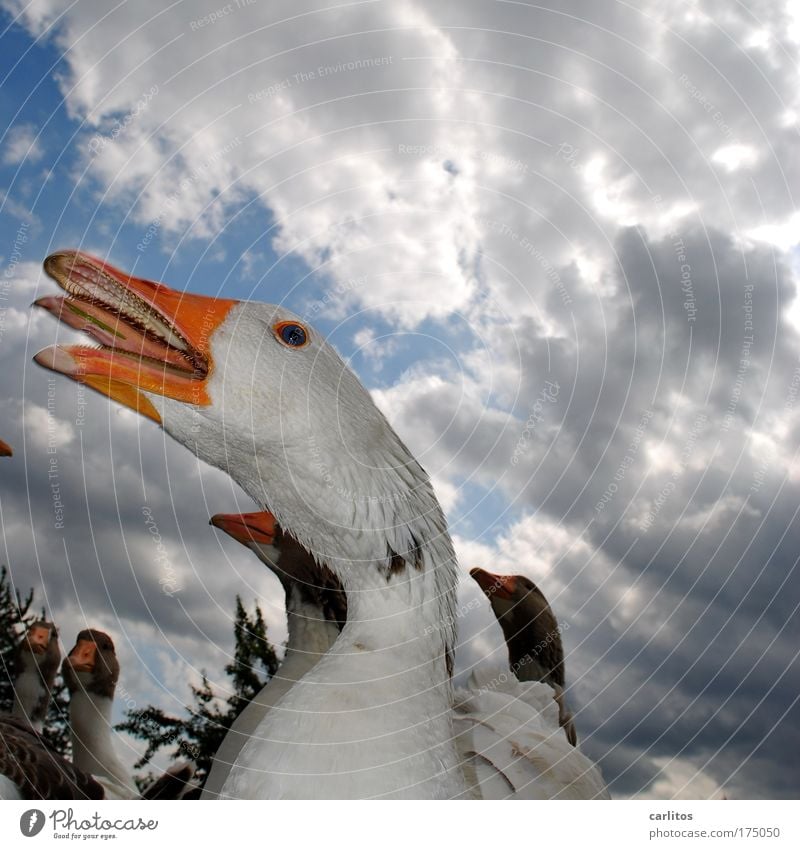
[
  {"x": 198, "y": 735},
  {"x": 15, "y": 617}
]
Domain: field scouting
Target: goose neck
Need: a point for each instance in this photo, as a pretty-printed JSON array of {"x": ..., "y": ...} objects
[
  {"x": 31, "y": 698},
  {"x": 93, "y": 737}
]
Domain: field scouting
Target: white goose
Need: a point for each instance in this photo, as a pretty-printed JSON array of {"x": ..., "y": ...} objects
[
  {"x": 316, "y": 609},
  {"x": 29, "y": 768},
  {"x": 251, "y": 389}
]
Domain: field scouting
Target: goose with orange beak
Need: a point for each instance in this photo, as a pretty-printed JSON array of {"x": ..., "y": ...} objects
[
  {"x": 316, "y": 610},
  {"x": 532, "y": 634},
  {"x": 253, "y": 390},
  {"x": 29, "y": 767},
  {"x": 36, "y": 663},
  {"x": 91, "y": 672}
]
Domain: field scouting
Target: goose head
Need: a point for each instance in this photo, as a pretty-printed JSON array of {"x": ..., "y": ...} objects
[
  {"x": 253, "y": 389},
  {"x": 36, "y": 663},
  {"x": 5, "y": 449},
  {"x": 92, "y": 665},
  {"x": 529, "y": 626},
  {"x": 313, "y": 584},
  {"x": 40, "y": 644},
  {"x": 39, "y": 650}
]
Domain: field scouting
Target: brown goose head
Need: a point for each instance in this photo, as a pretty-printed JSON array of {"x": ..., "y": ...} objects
[
  {"x": 92, "y": 664},
  {"x": 530, "y": 628},
  {"x": 38, "y": 652}
]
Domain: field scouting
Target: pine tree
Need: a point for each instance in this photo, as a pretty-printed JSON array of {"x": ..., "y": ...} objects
[
  {"x": 254, "y": 658},
  {"x": 198, "y": 736},
  {"x": 15, "y": 617}
]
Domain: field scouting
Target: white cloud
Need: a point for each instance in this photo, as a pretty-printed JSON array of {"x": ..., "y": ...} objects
[{"x": 22, "y": 144}]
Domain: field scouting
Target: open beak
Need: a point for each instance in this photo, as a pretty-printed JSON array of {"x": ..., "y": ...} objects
[
  {"x": 5, "y": 449},
  {"x": 247, "y": 527},
  {"x": 151, "y": 338},
  {"x": 83, "y": 657},
  {"x": 39, "y": 640},
  {"x": 495, "y": 586}
]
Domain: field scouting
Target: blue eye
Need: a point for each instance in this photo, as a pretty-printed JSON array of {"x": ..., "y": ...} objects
[{"x": 291, "y": 334}]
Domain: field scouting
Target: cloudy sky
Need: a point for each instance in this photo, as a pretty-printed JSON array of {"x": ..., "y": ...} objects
[{"x": 559, "y": 245}]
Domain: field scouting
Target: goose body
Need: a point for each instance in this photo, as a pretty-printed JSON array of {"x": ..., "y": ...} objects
[{"x": 251, "y": 389}]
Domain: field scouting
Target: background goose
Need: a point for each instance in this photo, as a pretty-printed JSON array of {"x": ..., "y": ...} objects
[
  {"x": 35, "y": 666},
  {"x": 316, "y": 610},
  {"x": 253, "y": 390},
  {"x": 91, "y": 672},
  {"x": 532, "y": 634},
  {"x": 29, "y": 768}
]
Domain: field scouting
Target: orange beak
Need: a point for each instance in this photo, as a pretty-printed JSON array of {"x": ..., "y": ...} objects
[
  {"x": 83, "y": 657},
  {"x": 152, "y": 338},
  {"x": 39, "y": 639},
  {"x": 5, "y": 449},
  {"x": 500, "y": 586},
  {"x": 247, "y": 527}
]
